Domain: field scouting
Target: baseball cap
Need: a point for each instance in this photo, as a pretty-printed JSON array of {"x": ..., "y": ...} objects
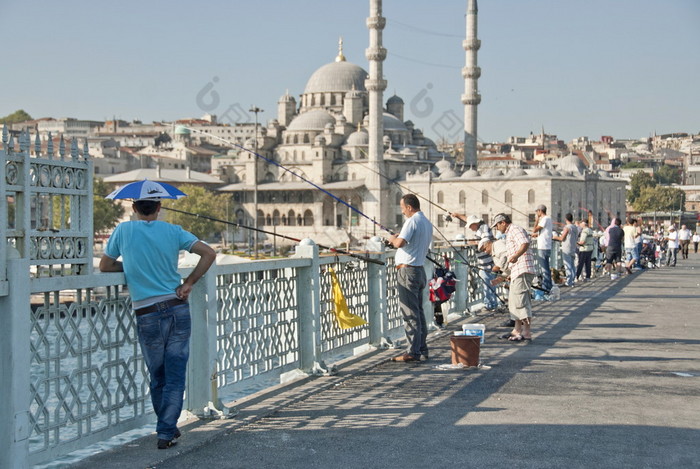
[
  {"x": 542, "y": 207},
  {"x": 471, "y": 219},
  {"x": 497, "y": 219}
]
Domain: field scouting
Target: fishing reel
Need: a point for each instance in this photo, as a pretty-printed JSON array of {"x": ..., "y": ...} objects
[
  {"x": 387, "y": 243},
  {"x": 447, "y": 218}
]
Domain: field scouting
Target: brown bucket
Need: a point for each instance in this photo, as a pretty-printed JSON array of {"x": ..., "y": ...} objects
[{"x": 465, "y": 349}]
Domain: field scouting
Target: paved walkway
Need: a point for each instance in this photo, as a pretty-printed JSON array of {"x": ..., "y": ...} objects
[{"x": 611, "y": 379}]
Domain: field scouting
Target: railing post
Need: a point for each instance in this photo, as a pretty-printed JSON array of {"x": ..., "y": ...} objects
[
  {"x": 309, "y": 300},
  {"x": 377, "y": 292},
  {"x": 461, "y": 271},
  {"x": 202, "y": 398},
  {"x": 15, "y": 363}
]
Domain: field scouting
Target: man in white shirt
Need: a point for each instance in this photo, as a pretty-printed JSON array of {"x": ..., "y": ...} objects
[
  {"x": 671, "y": 246},
  {"x": 684, "y": 235},
  {"x": 543, "y": 233}
]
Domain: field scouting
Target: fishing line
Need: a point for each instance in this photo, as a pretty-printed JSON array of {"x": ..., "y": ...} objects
[
  {"x": 279, "y": 235},
  {"x": 273, "y": 162}
]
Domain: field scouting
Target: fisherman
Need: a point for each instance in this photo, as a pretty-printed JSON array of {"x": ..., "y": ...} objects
[
  {"x": 412, "y": 243},
  {"x": 149, "y": 249},
  {"x": 476, "y": 225}
]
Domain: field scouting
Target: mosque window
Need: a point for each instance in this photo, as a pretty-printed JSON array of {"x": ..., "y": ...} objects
[
  {"x": 462, "y": 198},
  {"x": 440, "y": 197},
  {"x": 440, "y": 222},
  {"x": 531, "y": 196},
  {"x": 485, "y": 197},
  {"x": 322, "y": 100},
  {"x": 306, "y": 138},
  {"x": 268, "y": 219},
  {"x": 296, "y": 139},
  {"x": 531, "y": 220},
  {"x": 276, "y": 217},
  {"x": 509, "y": 198},
  {"x": 284, "y": 220},
  {"x": 291, "y": 218},
  {"x": 261, "y": 218},
  {"x": 299, "y": 220}
]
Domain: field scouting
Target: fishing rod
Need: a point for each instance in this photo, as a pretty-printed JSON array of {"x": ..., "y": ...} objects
[
  {"x": 284, "y": 168},
  {"x": 356, "y": 210},
  {"x": 238, "y": 225}
]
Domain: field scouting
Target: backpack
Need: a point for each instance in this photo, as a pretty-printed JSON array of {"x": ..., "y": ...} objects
[{"x": 443, "y": 284}]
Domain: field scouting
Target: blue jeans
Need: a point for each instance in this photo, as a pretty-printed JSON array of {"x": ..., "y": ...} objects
[
  {"x": 411, "y": 283},
  {"x": 569, "y": 266},
  {"x": 165, "y": 343},
  {"x": 543, "y": 260},
  {"x": 489, "y": 291}
]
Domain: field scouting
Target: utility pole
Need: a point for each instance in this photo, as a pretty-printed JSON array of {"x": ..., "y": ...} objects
[{"x": 255, "y": 110}]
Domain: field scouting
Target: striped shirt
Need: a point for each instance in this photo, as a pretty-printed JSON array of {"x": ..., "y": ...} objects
[
  {"x": 515, "y": 238},
  {"x": 484, "y": 261}
]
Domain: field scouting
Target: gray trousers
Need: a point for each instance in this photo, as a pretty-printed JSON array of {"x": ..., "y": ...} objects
[{"x": 411, "y": 283}]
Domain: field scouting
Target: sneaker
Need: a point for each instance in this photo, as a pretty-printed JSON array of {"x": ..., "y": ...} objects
[{"x": 165, "y": 444}]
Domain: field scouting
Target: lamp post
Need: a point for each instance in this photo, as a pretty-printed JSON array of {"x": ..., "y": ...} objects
[{"x": 255, "y": 110}]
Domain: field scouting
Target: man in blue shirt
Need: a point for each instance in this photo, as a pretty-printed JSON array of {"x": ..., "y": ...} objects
[
  {"x": 149, "y": 249},
  {"x": 412, "y": 244}
]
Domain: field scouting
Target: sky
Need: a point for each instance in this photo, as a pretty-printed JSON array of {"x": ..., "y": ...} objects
[{"x": 625, "y": 68}]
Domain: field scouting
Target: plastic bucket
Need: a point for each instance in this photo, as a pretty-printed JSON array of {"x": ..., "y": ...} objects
[
  {"x": 474, "y": 329},
  {"x": 465, "y": 349}
]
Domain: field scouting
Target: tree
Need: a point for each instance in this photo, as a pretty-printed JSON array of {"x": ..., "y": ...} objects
[
  {"x": 667, "y": 175},
  {"x": 660, "y": 198},
  {"x": 639, "y": 181},
  {"x": 17, "y": 116},
  {"x": 105, "y": 213},
  {"x": 199, "y": 201}
]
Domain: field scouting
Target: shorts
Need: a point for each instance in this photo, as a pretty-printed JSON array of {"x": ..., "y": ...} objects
[
  {"x": 632, "y": 254},
  {"x": 612, "y": 256}
]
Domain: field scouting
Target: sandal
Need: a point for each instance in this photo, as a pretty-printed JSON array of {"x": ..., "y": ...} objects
[
  {"x": 506, "y": 336},
  {"x": 516, "y": 338}
]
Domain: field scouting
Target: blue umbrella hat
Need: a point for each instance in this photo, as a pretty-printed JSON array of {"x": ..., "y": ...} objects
[{"x": 146, "y": 190}]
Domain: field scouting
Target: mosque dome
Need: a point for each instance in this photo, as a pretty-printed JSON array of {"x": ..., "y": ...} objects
[
  {"x": 407, "y": 152},
  {"x": 539, "y": 172},
  {"x": 493, "y": 173},
  {"x": 181, "y": 130},
  {"x": 603, "y": 174},
  {"x": 571, "y": 163},
  {"x": 516, "y": 172},
  {"x": 337, "y": 76},
  {"x": 394, "y": 100},
  {"x": 448, "y": 174},
  {"x": 470, "y": 173},
  {"x": 311, "y": 120},
  {"x": 358, "y": 138},
  {"x": 391, "y": 122},
  {"x": 442, "y": 166}
]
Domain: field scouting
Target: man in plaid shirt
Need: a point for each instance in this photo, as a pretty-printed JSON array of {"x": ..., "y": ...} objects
[{"x": 522, "y": 272}]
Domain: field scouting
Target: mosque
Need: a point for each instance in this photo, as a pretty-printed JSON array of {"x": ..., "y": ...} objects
[{"x": 358, "y": 150}]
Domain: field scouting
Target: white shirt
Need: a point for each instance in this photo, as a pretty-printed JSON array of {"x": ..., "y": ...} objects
[
  {"x": 418, "y": 233},
  {"x": 696, "y": 238},
  {"x": 672, "y": 239},
  {"x": 684, "y": 234},
  {"x": 544, "y": 236}
]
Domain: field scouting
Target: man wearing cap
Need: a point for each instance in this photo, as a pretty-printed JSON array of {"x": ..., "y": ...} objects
[
  {"x": 412, "y": 245},
  {"x": 543, "y": 233},
  {"x": 149, "y": 250},
  {"x": 671, "y": 246},
  {"x": 522, "y": 272},
  {"x": 475, "y": 224},
  {"x": 485, "y": 265},
  {"x": 568, "y": 239}
]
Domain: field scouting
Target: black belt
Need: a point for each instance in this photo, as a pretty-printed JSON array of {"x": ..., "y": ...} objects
[{"x": 161, "y": 305}]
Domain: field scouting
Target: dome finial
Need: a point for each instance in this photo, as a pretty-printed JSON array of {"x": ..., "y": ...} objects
[{"x": 340, "y": 57}]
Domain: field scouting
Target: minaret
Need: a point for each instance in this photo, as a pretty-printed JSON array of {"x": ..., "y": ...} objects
[
  {"x": 376, "y": 206},
  {"x": 471, "y": 97}
]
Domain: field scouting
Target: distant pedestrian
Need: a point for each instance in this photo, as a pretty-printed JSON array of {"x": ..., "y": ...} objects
[
  {"x": 568, "y": 239},
  {"x": 630, "y": 235},
  {"x": 585, "y": 250},
  {"x": 543, "y": 233},
  {"x": 149, "y": 249},
  {"x": 485, "y": 265},
  {"x": 684, "y": 235},
  {"x": 412, "y": 243},
  {"x": 522, "y": 272},
  {"x": 613, "y": 251},
  {"x": 671, "y": 246},
  {"x": 696, "y": 241}
]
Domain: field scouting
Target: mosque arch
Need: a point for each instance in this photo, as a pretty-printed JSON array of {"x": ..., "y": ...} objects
[
  {"x": 440, "y": 197},
  {"x": 462, "y": 198},
  {"x": 308, "y": 218},
  {"x": 306, "y": 138},
  {"x": 484, "y": 197},
  {"x": 275, "y": 217},
  {"x": 284, "y": 220},
  {"x": 296, "y": 139},
  {"x": 268, "y": 219},
  {"x": 531, "y": 196},
  {"x": 508, "y": 198},
  {"x": 300, "y": 220},
  {"x": 291, "y": 219},
  {"x": 260, "y": 218}
]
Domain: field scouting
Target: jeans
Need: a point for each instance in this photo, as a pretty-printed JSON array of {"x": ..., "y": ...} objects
[
  {"x": 489, "y": 291},
  {"x": 671, "y": 256},
  {"x": 570, "y": 270},
  {"x": 543, "y": 261},
  {"x": 165, "y": 343},
  {"x": 411, "y": 283}
]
